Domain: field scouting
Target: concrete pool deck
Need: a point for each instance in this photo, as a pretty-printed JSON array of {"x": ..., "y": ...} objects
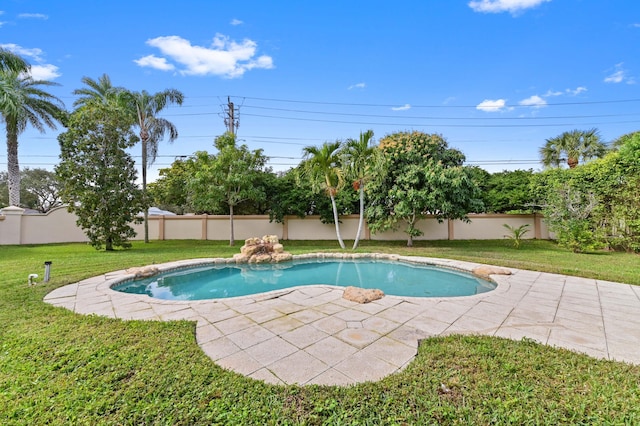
[{"x": 311, "y": 335}]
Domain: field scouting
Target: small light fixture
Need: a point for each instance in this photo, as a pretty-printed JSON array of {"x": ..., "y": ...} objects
[{"x": 47, "y": 271}]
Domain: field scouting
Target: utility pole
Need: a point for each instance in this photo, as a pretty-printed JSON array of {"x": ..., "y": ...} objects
[{"x": 230, "y": 119}]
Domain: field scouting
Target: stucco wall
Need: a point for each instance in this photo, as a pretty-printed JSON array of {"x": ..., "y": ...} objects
[{"x": 60, "y": 226}]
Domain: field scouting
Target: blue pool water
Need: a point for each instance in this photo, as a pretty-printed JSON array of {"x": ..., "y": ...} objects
[{"x": 230, "y": 280}]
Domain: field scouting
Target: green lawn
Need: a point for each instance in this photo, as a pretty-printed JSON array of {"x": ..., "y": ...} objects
[{"x": 57, "y": 367}]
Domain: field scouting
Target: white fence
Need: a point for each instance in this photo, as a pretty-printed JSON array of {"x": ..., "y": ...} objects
[{"x": 58, "y": 226}]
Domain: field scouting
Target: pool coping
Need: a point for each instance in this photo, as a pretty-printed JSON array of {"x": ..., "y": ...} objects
[{"x": 311, "y": 335}]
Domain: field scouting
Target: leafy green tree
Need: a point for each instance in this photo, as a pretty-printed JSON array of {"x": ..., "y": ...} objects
[
  {"x": 290, "y": 195},
  {"x": 23, "y": 103},
  {"x": 226, "y": 178},
  {"x": 152, "y": 130},
  {"x": 321, "y": 167},
  {"x": 420, "y": 176},
  {"x": 168, "y": 191},
  {"x": 620, "y": 141},
  {"x": 616, "y": 179},
  {"x": 569, "y": 204},
  {"x": 360, "y": 166},
  {"x": 40, "y": 189},
  {"x": 98, "y": 175},
  {"x": 508, "y": 191},
  {"x": 571, "y": 147}
]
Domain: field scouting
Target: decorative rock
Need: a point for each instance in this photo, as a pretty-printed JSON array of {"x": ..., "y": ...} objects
[
  {"x": 240, "y": 258},
  {"x": 254, "y": 241},
  {"x": 143, "y": 271},
  {"x": 260, "y": 258},
  {"x": 262, "y": 250},
  {"x": 270, "y": 239},
  {"x": 250, "y": 250},
  {"x": 485, "y": 271},
  {"x": 362, "y": 295},
  {"x": 281, "y": 257}
]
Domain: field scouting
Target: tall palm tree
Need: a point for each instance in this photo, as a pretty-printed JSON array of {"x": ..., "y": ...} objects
[
  {"x": 360, "y": 161},
  {"x": 23, "y": 103},
  {"x": 322, "y": 167},
  {"x": 572, "y": 147},
  {"x": 152, "y": 130},
  {"x": 97, "y": 91},
  {"x": 9, "y": 61}
]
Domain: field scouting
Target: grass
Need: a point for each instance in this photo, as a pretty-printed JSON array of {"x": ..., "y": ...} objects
[{"x": 59, "y": 368}]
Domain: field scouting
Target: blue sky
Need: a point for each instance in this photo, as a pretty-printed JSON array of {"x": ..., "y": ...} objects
[{"x": 494, "y": 77}]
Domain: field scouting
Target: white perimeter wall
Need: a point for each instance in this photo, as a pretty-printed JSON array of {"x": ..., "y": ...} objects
[{"x": 59, "y": 226}]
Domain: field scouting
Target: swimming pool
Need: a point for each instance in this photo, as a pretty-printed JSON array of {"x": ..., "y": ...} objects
[{"x": 213, "y": 281}]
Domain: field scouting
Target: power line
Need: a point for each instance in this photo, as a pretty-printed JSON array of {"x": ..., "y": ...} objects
[
  {"x": 439, "y": 106},
  {"x": 434, "y": 124},
  {"x": 443, "y": 118}
]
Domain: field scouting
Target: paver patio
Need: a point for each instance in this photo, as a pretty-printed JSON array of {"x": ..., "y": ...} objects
[{"x": 311, "y": 335}]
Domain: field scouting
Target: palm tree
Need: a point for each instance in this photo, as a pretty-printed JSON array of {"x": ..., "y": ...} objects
[
  {"x": 152, "y": 130},
  {"x": 9, "y": 61},
  {"x": 360, "y": 161},
  {"x": 322, "y": 167},
  {"x": 97, "y": 91},
  {"x": 572, "y": 147},
  {"x": 22, "y": 103}
]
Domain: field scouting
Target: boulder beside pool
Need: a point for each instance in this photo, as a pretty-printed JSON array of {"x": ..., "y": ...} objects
[
  {"x": 362, "y": 295},
  {"x": 485, "y": 271},
  {"x": 143, "y": 271},
  {"x": 262, "y": 250}
]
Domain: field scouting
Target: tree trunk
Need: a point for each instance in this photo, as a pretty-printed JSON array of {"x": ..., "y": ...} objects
[
  {"x": 411, "y": 224},
  {"x": 232, "y": 240},
  {"x": 13, "y": 167},
  {"x": 335, "y": 218},
  {"x": 144, "y": 137},
  {"x": 361, "y": 219}
]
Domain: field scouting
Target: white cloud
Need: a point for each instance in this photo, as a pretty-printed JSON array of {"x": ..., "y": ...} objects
[
  {"x": 568, "y": 92},
  {"x": 489, "y": 105},
  {"x": 357, "y": 86},
  {"x": 236, "y": 22},
  {"x": 401, "y": 108},
  {"x": 39, "y": 71},
  {"x": 33, "y": 16},
  {"x": 44, "y": 72},
  {"x": 619, "y": 75},
  {"x": 576, "y": 91},
  {"x": 533, "y": 101},
  {"x": 225, "y": 57},
  {"x": 551, "y": 93},
  {"x": 498, "y": 6},
  {"x": 616, "y": 77},
  {"x": 152, "y": 61},
  {"x": 34, "y": 53}
]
